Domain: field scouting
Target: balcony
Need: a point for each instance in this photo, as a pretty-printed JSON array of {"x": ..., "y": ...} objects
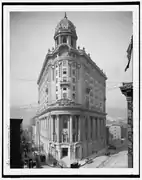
[{"x": 64, "y": 83}]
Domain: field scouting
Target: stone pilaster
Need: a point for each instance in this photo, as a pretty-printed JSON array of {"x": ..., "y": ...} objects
[
  {"x": 51, "y": 128},
  {"x": 127, "y": 90},
  {"x": 58, "y": 129},
  {"x": 98, "y": 129},
  {"x": 79, "y": 128},
  {"x": 59, "y": 39}
]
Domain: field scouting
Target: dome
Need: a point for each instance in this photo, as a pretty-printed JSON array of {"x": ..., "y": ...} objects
[{"x": 65, "y": 26}]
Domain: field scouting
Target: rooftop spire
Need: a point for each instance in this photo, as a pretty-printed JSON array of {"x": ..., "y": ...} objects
[{"x": 65, "y": 15}]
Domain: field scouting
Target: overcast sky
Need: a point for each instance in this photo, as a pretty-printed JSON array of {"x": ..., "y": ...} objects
[{"x": 105, "y": 35}]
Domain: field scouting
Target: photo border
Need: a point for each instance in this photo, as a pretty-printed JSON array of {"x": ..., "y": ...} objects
[{"x": 3, "y": 104}]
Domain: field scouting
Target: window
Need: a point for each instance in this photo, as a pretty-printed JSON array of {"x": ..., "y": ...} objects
[
  {"x": 73, "y": 80},
  {"x": 64, "y": 72},
  {"x": 64, "y": 79},
  {"x": 56, "y": 88},
  {"x": 64, "y": 39},
  {"x": 74, "y": 137},
  {"x": 71, "y": 42},
  {"x": 64, "y": 95},
  {"x": 65, "y": 124},
  {"x": 73, "y": 96},
  {"x": 64, "y": 88},
  {"x": 73, "y": 71},
  {"x": 60, "y": 71},
  {"x": 56, "y": 96},
  {"x": 64, "y": 137},
  {"x": 73, "y": 88},
  {"x": 64, "y": 62},
  {"x": 74, "y": 64},
  {"x": 56, "y": 72},
  {"x": 57, "y": 41},
  {"x": 73, "y": 123},
  {"x": 46, "y": 90},
  {"x": 56, "y": 80}
]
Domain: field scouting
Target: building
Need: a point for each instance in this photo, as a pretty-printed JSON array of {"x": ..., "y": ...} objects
[
  {"x": 72, "y": 96},
  {"x": 34, "y": 134},
  {"x": 16, "y": 160},
  {"x": 115, "y": 130},
  {"x": 109, "y": 136},
  {"x": 124, "y": 131}
]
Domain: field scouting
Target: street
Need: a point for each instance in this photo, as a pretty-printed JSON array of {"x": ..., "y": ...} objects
[{"x": 118, "y": 160}]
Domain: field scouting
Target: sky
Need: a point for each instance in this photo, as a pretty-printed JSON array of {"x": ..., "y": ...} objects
[{"x": 105, "y": 35}]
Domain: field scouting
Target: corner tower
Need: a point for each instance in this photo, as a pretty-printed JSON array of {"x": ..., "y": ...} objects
[{"x": 65, "y": 32}]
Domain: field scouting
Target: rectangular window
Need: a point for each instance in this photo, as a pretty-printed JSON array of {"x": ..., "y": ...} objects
[
  {"x": 74, "y": 64},
  {"x": 56, "y": 88},
  {"x": 73, "y": 88},
  {"x": 64, "y": 72},
  {"x": 64, "y": 62},
  {"x": 74, "y": 137},
  {"x": 59, "y": 70},
  {"x": 65, "y": 124},
  {"x": 73, "y": 71},
  {"x": 73, "y": 96},
  {"x": 64, "y": 79},
  {"x": 56, "y": 80},
  {"x": 64, "y": 88},
  {"x": 73, "y": 80},
  {"x": 56, "y": 72},
  {"x": 73, "y": 124},
  {"x": 64, "y": 95},
  {"x": 56, "y": 96}
]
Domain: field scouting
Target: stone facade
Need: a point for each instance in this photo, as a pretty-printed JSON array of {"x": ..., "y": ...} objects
[
  {"x": 71, "y": 117},
  {"x": 127, "y": 90}
]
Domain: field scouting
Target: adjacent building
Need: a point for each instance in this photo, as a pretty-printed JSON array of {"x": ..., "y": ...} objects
[
  {"x": 16, "y": 158},
  {"x": 115, "y": 130},
  {"x": 71, "y": 118}
]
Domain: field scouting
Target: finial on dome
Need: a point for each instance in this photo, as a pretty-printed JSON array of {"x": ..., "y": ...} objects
[{"x": 65, "y": 15}]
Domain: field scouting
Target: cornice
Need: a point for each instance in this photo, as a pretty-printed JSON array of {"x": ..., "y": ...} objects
[{"x": 69, "y": 108}]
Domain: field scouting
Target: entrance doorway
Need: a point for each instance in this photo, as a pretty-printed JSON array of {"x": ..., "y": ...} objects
[{"x": 64, "y": 152}]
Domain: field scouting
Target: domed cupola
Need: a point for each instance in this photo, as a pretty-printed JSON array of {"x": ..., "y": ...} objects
[{"x": 65, "y": 32}]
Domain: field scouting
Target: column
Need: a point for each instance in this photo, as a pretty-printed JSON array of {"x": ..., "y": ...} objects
[
  {"x": 51, "y": 126},
  {"x": 127, "y": 90},
  {"x": 98, "y": 129},
  {"x": 69, "y": 40},
  {"x": 79, "y": 128},
  {"x": 70, "y": 128},
  {"x": 59, "y": 39},
  {"x": 58, "y": 129}
]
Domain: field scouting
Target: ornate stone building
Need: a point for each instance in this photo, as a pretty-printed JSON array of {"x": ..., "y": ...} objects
[
  {"x": 71, "y": 117},
  {"x": 127, "y": 90}
]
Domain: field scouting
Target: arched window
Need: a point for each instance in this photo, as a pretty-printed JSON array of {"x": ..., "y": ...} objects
[
  {"x": 57, "y": 40},
  {"x": 71, "y": 41},
  {"x": 64, "y": 39}
]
